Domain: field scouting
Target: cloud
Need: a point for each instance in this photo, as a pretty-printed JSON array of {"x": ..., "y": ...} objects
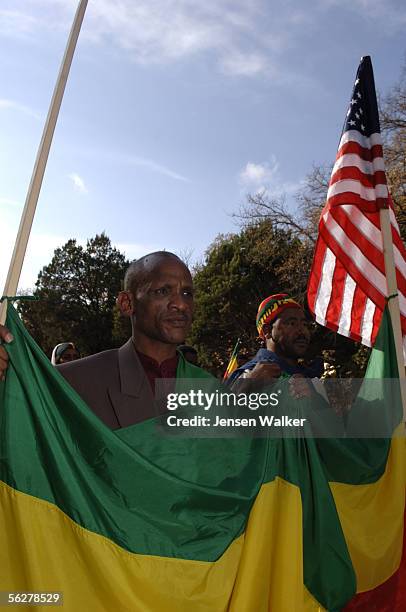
[
  {"x": 151, "y": 165},
  {"x": 78, "y": 182},
  {"x": 39, "y": 253},
  {"x": 133, "y": 160},
  {"x": 259, "y": 176},
  {"x": 5, "y": 103},
  {"x": 266, "y": 177},
  {"x": 244, "y": 39},
  {"x": 391, "y": 13},
  {"x": 10, "y": 202},
  {"x": 17, "y": 24},
  {"x": 158, "y": 31},
  {"x": 161, "y": 31},
  {"x": 244, "y": 64}
]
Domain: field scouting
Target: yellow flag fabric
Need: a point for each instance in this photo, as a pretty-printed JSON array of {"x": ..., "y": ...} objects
[{"x": 261, "y": 570}]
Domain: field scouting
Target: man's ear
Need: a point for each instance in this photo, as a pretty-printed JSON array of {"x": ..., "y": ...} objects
[
  {"x": 125, "y": 303},
  {"x": 267, "y": 331}
]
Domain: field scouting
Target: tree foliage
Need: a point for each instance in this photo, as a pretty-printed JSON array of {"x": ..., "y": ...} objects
[
  {"x": 239, "y": 271},
  {"x": 393, "y": 123},
  {"x": 76, "y": 297},
  {"x": 303, "y": 221}
]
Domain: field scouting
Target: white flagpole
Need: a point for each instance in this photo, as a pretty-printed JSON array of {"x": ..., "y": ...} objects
[
  {"x": 393, "y": 303},
  {"x": 34, "y": 188}
]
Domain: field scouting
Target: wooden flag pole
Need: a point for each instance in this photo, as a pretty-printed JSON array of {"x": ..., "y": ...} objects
[
  {"x": 393, "y": 303},
  {"x": 34, "y": 188}
]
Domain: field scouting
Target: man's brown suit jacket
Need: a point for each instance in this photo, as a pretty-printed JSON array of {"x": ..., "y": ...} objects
[{"x": 114, "y": 385}]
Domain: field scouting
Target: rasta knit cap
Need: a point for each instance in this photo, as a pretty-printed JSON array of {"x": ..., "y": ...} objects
[{"x": 271, "y": 307}]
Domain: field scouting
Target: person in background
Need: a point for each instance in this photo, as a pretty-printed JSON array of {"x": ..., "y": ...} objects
[
  {"x": 64, "y": 353},
  {"x": 284, "y": 328}
]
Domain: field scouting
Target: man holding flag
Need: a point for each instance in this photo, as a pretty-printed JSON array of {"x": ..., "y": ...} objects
[
  {"x": 119, "y": 384},
  {"x": 284, "y": 328}
]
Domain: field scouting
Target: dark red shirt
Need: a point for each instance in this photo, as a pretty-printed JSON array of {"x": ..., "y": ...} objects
[{"x": 154, "y": 370}]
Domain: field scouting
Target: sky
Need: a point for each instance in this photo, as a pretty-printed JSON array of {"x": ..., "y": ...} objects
[{"x": 174, "y": 111}]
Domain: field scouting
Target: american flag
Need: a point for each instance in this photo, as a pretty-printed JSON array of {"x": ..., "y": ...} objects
[{"x": 347, "y": 288}]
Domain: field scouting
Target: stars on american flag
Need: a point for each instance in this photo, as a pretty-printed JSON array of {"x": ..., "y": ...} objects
[
  {"x": 359, "y": 118},
  {"x": 355, "y": 113}
]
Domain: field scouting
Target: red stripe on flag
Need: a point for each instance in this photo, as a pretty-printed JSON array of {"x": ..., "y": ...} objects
[
  {"x": 372, "y": 253},
  {"x": 315, "y": 274},
  {"x": 401, "y": 282},
  {"x": 375, "y": 325},
  {"x": 355, "y": 174},
  {"x": 366, "y": 154},
  {"x": 357, "y": 312},
  {"x": 349, "y": 197},
  {"x": 387, "y": 597},
  {"x": 371, "y": 291},
  {"x": 337, "y": 293}
]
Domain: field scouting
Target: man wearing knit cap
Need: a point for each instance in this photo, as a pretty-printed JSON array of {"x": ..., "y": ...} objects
[{"x": 284, "y": 328}]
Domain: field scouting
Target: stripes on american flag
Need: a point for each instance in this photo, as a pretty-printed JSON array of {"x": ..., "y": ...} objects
[{"x": 347, "y": 288}]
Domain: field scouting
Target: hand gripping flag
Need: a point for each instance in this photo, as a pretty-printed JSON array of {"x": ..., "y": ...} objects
[{"x": 347, "y": 288}]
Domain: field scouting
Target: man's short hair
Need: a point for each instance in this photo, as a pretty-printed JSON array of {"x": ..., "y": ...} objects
[{"x": 138, "y": 268}]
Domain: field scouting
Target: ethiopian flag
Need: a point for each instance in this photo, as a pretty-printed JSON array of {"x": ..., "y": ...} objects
[
  {"x": 133, "y": 520},
  {"x": 232, "y": 364}
]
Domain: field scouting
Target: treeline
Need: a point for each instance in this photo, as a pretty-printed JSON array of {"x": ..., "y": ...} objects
[{"x": 272, "y": 252}]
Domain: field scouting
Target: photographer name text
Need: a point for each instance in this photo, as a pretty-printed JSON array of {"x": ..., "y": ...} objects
[{"x": 262, "y": 420}]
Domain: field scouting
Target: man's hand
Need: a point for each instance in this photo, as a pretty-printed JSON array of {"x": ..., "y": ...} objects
[
  {"x": 264, "y": 371},
  {"x": 5, "y": 336},
  {"x": 262, "y": 374},
  {"x": 299, "y": 386}
]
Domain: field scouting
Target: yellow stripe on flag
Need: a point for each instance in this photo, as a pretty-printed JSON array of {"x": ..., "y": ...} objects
[
  {"x": 231, "y": 367},
  {"x": 42, "y": 549},
  {"x": 372, "y": 520}
]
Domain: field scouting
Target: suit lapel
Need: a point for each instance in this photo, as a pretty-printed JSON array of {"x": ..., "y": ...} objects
[{"x": 133, "y": 402}]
